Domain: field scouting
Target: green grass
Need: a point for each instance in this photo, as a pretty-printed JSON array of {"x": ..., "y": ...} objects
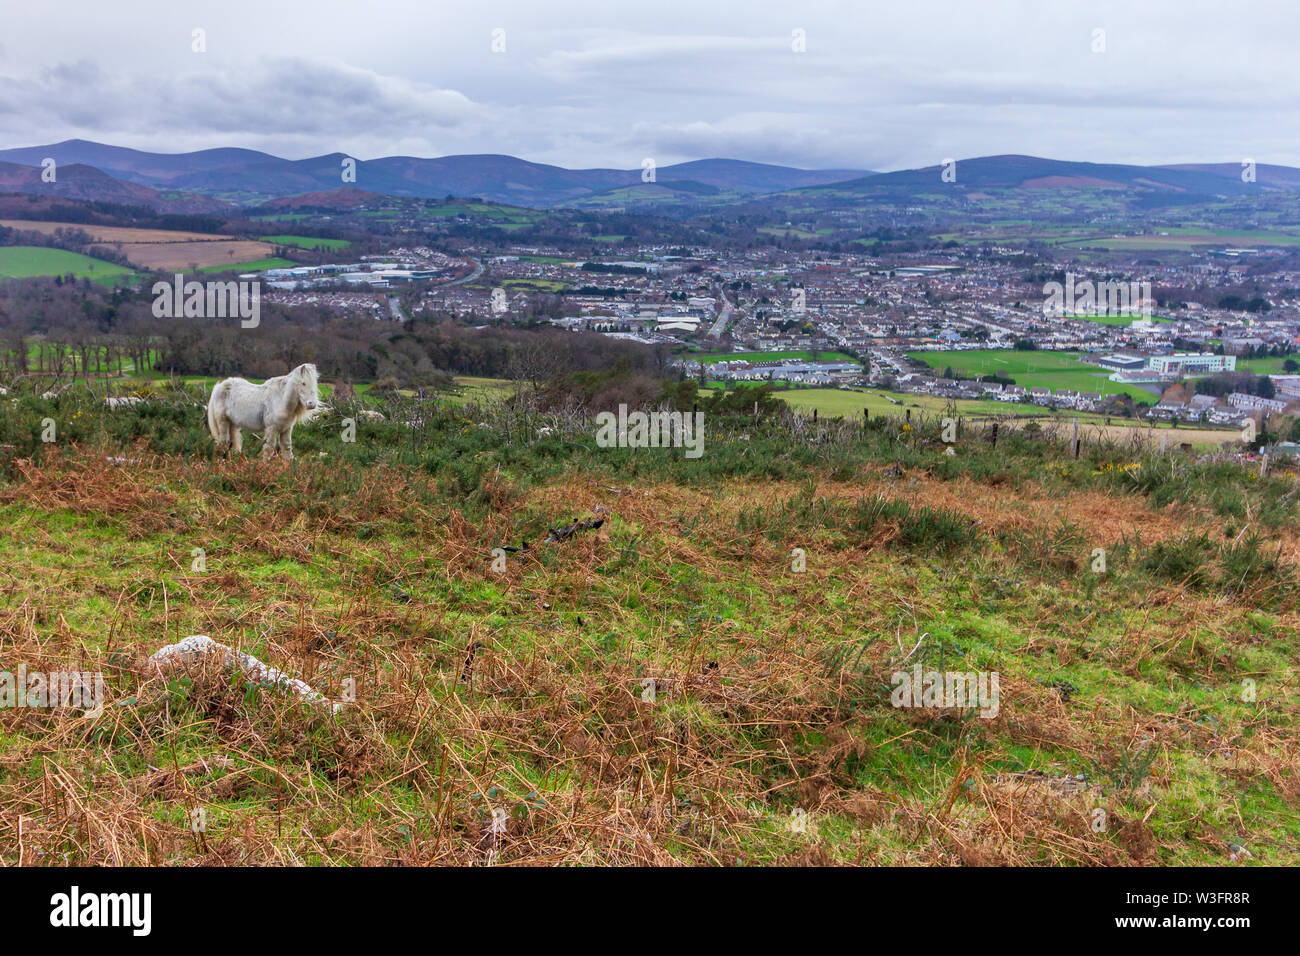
[
  {"x": 1118, "y": 321},
  {"x": 25, "y": 262},
  {"x": 1033, "y": 369},
  {"x": 546, "y": 285},
  {"x": 255, "y": 265},
  {"x": 521, "y": 690},
  {"x": 476, "y": 389},
  {"x": 1266, "y": 366},
  {"x": 832, "y": 402},
  {"x": 307, "y": 242}
]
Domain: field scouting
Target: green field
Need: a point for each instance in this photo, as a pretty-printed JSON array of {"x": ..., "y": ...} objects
[
  {"x": 256, "y": 265},
  {"x": 475, "y": 389},
  {"x": 840, "y": 402},
  {"x": 546, "y": 285},
  {"x": 1118, "y": 321},
  {"x": 1034, "y": 369},
  {"x": 1186, "y": 241},
  {"x": 1266, "y": 366},
  {"x": 308, "y": 242},
  {"x": 25, "y": 262}
]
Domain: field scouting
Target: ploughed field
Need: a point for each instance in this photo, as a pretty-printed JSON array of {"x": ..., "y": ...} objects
[
  {"x": 159, "y": 248},
  {"x": 697, "y": 668}
]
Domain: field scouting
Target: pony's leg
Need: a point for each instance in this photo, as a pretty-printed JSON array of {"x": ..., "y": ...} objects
[
  {"x": 221, "y": 435},
  {"x": 286, "y": 442},
  {"x": 236, "y": 440},
  {"x": 268, "y": 443}
]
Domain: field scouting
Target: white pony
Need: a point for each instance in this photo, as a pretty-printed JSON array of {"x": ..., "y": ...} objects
[{"x": 272, "y": 408}]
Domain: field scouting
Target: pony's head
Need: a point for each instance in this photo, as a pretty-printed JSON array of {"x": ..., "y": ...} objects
[{"x": 305, "y": 386}]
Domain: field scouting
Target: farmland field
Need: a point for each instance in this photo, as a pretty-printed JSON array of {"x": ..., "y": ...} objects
[
  {"x": 162, "y": 249},
  {"x": 191, "y": 255},
  {"x": 476, "y": 389},
  {"x": 252, "y": 265},
  {"x": 1185, "y": 241},
  {"x": 843, "y": 403},
  {"x": 308, "y": 242},
  {"x": 1033, "y": 369},
  {"x": 112, "y": 234},
  {"x": 24, "y": 262},
  {"x": 840, "y": 402}
]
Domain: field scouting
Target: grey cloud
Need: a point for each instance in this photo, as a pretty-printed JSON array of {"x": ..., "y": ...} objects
[{"x": 883, "y": 87}]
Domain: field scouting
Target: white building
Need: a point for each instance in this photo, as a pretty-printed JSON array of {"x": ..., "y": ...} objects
[{"x": 1189, "y": 363}]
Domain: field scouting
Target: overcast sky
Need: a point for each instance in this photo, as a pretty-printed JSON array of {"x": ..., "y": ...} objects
[{"x": 607, "y": 83}]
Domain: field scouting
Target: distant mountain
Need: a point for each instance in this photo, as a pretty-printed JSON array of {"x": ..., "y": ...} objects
[
  {"x": 78, "y": 181},
  {"x": 180, "y": 181},
  {"x": 133, "y": 165},
  {"x": 1032, "y": 172},
  {"x": 1275, "y": 177},
  {"x": 249, "y": 176}
]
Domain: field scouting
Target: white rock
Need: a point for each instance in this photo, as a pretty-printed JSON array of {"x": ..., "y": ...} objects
[{"x": 198, "y": 647}]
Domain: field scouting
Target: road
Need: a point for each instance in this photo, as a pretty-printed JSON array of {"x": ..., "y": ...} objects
[
  {"x": 723, "y": 319},
  {"x": 478, "y": 271}
]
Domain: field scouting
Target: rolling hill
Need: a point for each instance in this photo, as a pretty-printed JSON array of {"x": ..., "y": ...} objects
[
  {"x": 248, "y": 175},
  {"x": 79, "y": 181},
  {"x": 199, "y": 181},
  {"x": 1032, "y": 172}
]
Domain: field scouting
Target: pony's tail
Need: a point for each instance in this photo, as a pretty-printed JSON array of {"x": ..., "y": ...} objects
[{"x": 213, "y": 425}]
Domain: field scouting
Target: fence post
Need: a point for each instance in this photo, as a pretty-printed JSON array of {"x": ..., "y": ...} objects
[{"x": 995, "y": 434}]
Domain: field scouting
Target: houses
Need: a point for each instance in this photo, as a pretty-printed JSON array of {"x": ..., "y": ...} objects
[{"x": 1255, "y": 403}]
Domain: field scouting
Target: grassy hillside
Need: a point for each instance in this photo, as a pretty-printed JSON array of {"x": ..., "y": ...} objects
[
  {"x": 668, "y": 687},
  {"x": 24, "y": 262}
]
